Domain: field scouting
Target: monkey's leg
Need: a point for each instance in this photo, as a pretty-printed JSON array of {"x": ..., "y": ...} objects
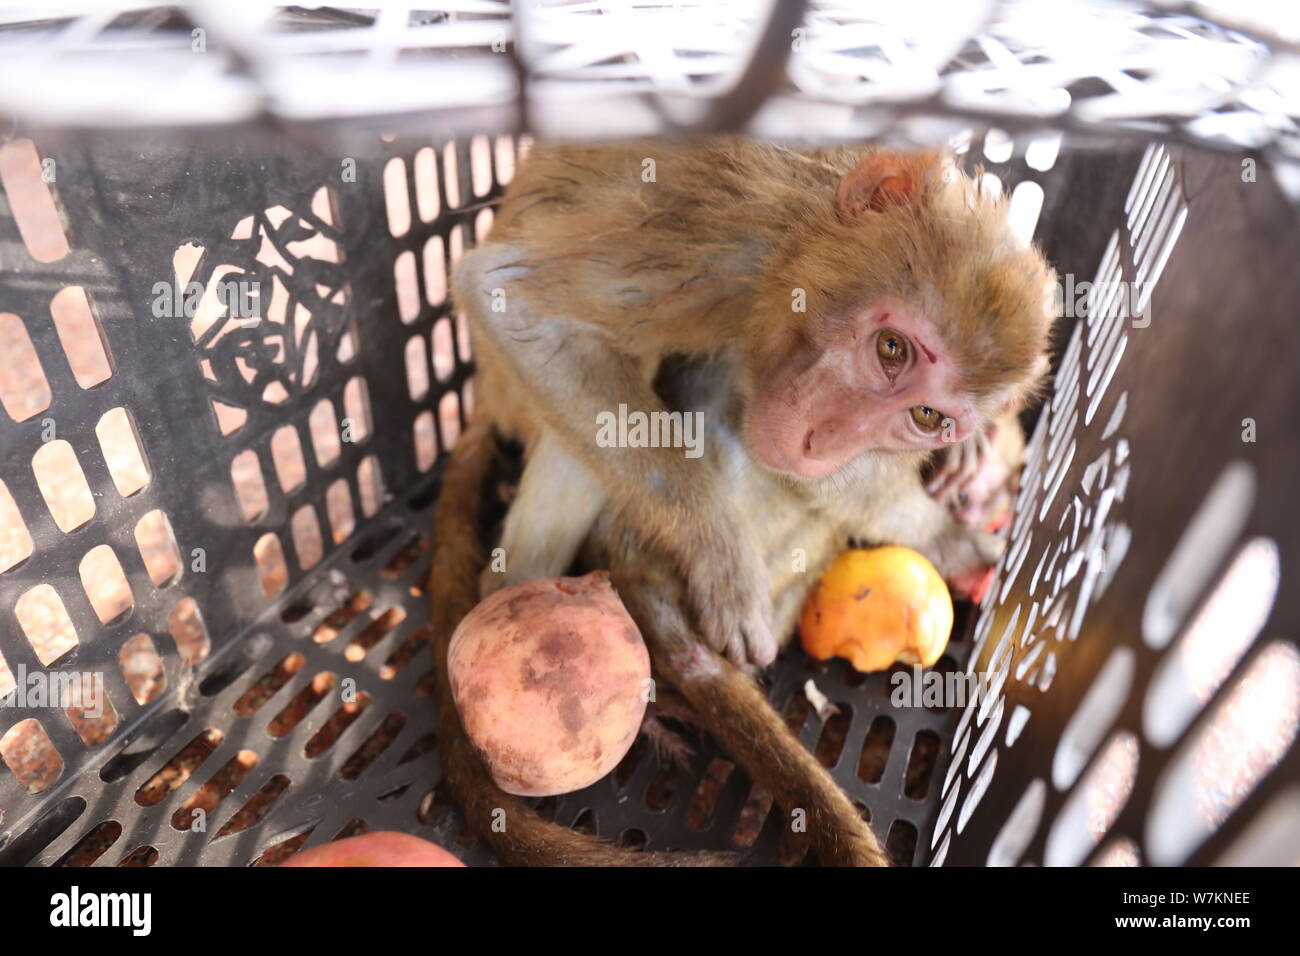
[
  {"x": 576, "y": 374},
  {"x": 518, "y": 834},
  {"x": 733, "y": 708},
  {"x": 556, "y": 505}
]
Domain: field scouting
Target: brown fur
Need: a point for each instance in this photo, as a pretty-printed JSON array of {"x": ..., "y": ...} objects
[{"x": 681, "y": 251}]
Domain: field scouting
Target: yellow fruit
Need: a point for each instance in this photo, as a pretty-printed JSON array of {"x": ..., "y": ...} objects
[{"x": 875, "y": 606}]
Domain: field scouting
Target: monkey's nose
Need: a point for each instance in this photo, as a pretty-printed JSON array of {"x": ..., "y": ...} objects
[
  {"x": 827, "y": 447},
  {"x": 822, "y": 441}
]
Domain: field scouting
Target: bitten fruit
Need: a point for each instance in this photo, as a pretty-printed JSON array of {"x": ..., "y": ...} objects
[
  {"x": 550, "y": 678},
  {"x": 875, "y": 606}
]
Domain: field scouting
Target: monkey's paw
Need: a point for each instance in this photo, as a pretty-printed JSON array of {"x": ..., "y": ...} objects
[
  {"x": 958, "y": 465},
  {"x": 973, "y": 584},
  {"x": 733, "y": 609}
]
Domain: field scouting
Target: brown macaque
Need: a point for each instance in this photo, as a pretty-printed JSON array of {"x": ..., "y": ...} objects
[{"x": 836, "y": 316}]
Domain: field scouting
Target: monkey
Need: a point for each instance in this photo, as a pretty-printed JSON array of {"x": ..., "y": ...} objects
[
  {"x": 868, "y": 306},
  {"x": 585, "y": 285}
]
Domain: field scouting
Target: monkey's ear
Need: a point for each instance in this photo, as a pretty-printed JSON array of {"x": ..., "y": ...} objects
[{"x": 884, "y": 180}]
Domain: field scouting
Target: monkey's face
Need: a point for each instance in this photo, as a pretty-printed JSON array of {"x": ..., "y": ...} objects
[
  {"x": 924, "y": 316},
  {"x": 877, "y": 378}
]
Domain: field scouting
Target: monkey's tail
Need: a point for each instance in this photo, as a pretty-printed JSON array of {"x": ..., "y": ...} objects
[
  {"x": 518, "y": 834},
  {"x": 734, "y": 708}
]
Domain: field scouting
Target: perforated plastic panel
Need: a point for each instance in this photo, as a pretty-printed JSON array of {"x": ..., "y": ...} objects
[
  {"x": 1216, "y": 72},
  {"x": 1146, "y": 693},
  {"x": 272, "y": 449}
]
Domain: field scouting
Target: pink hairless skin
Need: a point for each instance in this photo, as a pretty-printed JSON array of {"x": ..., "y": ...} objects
[{"x": 858, "y": 400}]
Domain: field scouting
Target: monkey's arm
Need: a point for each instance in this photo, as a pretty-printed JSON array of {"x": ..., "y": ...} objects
[{"x": 576, "y": 371}]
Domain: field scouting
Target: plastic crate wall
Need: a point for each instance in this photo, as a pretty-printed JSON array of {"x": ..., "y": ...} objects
[
  {"x": 1140, "y": 641},
  {"x": 294, "y": 463}
]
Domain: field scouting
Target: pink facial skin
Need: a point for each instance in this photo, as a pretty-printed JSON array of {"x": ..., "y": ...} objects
[{"x": 821, "y": 406}]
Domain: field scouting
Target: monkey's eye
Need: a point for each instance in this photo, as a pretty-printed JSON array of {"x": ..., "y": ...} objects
[
  {"x": 927, "y": 418},
  {"x": 891, "y": 347}
]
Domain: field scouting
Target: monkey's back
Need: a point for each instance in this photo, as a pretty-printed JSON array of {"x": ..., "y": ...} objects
[{"x": 588, "y": 235}]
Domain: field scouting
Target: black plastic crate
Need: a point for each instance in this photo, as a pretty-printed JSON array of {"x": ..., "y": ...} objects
[{"x": 282, "y": 683}]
